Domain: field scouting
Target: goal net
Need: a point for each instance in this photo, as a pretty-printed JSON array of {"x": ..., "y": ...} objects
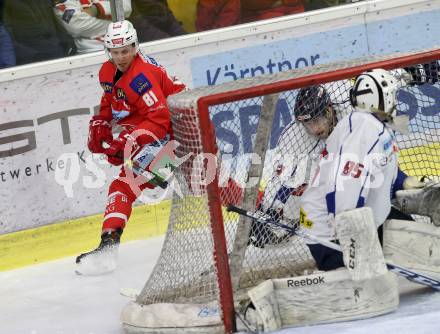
[{"x": 239, "y": 144}]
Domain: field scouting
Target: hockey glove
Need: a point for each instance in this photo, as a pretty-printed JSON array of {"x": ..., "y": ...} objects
[
  {"x": 424, "y": 73},
  {"x": 270, "y": 232},
  {"x": 115, "y": 153},
  {"x": 100, "y": 131}
]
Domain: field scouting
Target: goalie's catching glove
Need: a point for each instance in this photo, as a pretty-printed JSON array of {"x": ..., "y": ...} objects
[{"x": 424, "y": 201}]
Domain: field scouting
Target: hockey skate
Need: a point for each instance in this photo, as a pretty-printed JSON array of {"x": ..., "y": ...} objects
[{"x": 103, "y": 259}]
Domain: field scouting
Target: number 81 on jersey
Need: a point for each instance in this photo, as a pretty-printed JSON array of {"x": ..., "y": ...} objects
[{"x": 150, "y": 98}]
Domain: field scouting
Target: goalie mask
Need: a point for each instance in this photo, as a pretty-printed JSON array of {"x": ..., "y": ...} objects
[
  {"x": 313, "y": 109},
  {"x": 120, "y": 34},
  {"x": 375, "y": 91}
]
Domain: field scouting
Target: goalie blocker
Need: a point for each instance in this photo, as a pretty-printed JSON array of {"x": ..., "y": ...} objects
[
  {"x": 415, "y": 245},
  {"x": 424, "y": 201}
]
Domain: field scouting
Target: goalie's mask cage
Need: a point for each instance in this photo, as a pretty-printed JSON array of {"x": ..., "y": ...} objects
[
  {"x": 313, "y": 108},
  {"x": 231, "y": 136},
  {"x": 311, "y": 102}
]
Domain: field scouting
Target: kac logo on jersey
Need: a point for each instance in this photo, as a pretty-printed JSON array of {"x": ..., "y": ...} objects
[
  {"x": 140, "y": 84},
  {"x": 120, "y": 94}
]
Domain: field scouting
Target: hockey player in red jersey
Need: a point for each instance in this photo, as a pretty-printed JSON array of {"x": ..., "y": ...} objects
[{"x": 135, "y": 91}]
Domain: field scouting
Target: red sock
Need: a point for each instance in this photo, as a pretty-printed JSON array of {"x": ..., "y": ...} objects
[
  {"x": 120, "y": 200},
  {"x": 117, "y": 211}
]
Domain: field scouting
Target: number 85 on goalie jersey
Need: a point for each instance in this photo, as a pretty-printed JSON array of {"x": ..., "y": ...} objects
[{"x": 358, "y": 169}]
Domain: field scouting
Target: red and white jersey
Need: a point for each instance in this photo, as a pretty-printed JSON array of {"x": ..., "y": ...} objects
[
  {"x": 87, "y": 31},
  {"x": 357, "y": 168},
  {"x": 137, "y": 99}
]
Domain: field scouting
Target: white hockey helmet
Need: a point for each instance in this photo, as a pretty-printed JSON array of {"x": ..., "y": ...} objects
[
  {"x": 120, "y": 34},
  {"x": 375, "y": 91}
]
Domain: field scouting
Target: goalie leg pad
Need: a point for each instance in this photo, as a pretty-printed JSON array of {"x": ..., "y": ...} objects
[
  {"x": 425, "y": 202},
  {"x": 324, "y": 297},
  {"x": 362, "y": 253},
  {"x": 414, "y": 245},
  {"x": 172, "y": 318}
]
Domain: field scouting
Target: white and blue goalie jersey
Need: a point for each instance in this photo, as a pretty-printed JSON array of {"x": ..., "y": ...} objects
[{"x": 357, "y": 168}]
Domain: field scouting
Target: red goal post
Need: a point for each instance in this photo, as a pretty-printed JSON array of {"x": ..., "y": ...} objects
[{"x": 206, "y": 256}]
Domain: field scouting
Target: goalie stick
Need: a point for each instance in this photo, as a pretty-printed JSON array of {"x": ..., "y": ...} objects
[
  {"x": 129, "y": 293},
  {"x": 398, "y": 270}
]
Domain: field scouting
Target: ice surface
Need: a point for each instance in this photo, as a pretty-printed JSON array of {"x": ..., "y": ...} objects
[{"x": 51, "y": 299}]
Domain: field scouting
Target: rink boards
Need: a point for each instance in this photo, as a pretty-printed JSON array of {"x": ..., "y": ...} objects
[{"x": 72, "y": 237}]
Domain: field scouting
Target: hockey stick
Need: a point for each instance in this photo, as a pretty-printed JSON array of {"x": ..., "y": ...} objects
[
  {"x": 399, "y": 270},
  {"x": 150, "y": 176},
  {"x": 261, "y": 217}
]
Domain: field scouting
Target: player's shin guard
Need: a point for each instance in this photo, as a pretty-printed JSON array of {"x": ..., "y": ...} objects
[
  {"x": 414, "y": 245},
  {"x": 425, "y": 202},
  {"x": 324, "y": 297},
  {"x": 117, "y": 211}
]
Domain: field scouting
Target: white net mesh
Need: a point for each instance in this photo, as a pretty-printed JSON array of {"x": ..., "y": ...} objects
[{"x": 185, "y": 271}]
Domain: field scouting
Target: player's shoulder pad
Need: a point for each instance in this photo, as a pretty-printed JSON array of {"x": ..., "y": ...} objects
[
  {"x": 139, "y": 82},
  {"x": 107, "y": 70},
  {"x": 106, "y": 76},
  {"x": 143, "y": 72},
  {"x": 360, "y": 119}
]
